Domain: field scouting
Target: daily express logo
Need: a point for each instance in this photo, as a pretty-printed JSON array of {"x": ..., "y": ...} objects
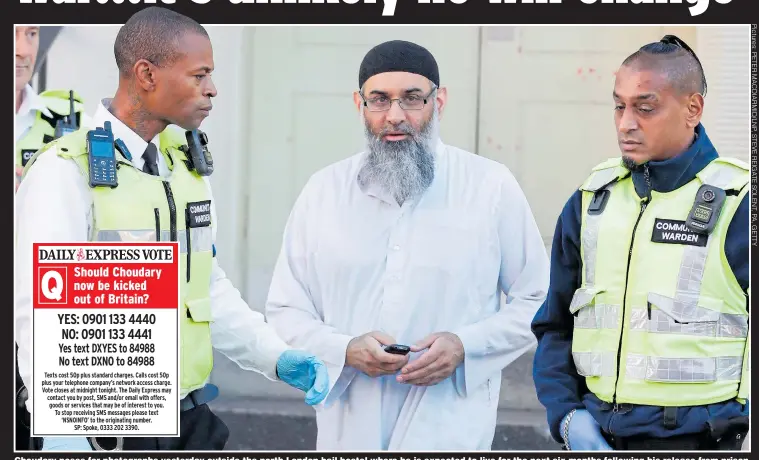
[{"x": 105, "y": 254}]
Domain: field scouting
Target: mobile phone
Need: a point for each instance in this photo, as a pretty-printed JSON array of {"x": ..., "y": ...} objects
[
  {"x": 102, "y": 157},
  {"x": 397, "y": 349}
]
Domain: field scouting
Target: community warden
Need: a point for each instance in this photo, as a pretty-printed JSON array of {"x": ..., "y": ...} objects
[{"x": 165, "y": 62}]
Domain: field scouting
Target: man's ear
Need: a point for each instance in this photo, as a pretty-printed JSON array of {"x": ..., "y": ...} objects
[
  {"x": 695, "y": 110},
  {"x": 145, "y": 74},
  {"x": 358, "y": 101},
  {"x": 442, "y": 98}
]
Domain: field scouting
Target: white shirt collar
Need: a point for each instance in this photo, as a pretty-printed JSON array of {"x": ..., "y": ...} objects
[
  {"x": 33, "y": 102},
  {"x": 134, "y": 143}
]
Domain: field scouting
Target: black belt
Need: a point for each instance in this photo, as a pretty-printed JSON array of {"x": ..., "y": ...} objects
[
  {"x": 194, "y": 399},
  {"x": 724, "y": 435},
  {"x": 681, "y": 442},
  {"x": 199, "y": 397}
]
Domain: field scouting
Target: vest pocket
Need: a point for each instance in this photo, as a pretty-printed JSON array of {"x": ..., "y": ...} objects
[
  {"x": 682, "y": 341},
  {"x": 685, "y": 311},
  {"x": 667, "y": 315},
  {"x": 595, "y": 323},
  {"x": 583, "y": 297},
  {"x": 589, "y": 313},
  {"x": 197, "y": 352}
]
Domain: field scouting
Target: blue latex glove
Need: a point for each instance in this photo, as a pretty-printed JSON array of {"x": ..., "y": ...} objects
[
  {"x": 305, "y": 372},
  {"x": 584, "y": 432},
  {"x": 66, "y": 444}
]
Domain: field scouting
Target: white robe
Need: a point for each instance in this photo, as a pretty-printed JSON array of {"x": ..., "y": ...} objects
[{"x": 353, "y": 261}]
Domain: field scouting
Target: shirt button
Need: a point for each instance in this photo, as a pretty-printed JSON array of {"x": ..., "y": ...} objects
[{"x": 396, "y": 248}]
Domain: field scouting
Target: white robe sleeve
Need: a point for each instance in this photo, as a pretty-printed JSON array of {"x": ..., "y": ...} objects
[
  {"x": 291, "y": 309},
  {"x": 240, "y": 333},
  {"x": 492, "y": 344},
  {"x": 237, "y": 331}
]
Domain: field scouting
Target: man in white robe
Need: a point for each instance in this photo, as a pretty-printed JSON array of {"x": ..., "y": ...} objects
[{"x": 411, "y": 242}]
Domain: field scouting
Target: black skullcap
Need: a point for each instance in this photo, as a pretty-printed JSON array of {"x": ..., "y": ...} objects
[{"x": 398, "y": 56}]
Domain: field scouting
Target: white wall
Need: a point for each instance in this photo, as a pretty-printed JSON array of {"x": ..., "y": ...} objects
[{"x": 724, "y": 53}]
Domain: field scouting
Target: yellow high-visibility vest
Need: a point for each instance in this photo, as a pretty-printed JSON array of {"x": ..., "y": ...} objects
[{"x": 659, "y": 318}]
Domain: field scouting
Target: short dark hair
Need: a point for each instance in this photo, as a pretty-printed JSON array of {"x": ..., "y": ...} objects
[
  {"x": 152, "y": 34},
  {"x": 676, "y": 59}
]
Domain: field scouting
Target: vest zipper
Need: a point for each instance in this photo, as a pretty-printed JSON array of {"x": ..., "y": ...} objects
[
  {"x": 172, "y": 211},
  {"x": 157, "y": 224},
  {"x": 643, "y": 204},
  {"x": 189, "y": 245}
]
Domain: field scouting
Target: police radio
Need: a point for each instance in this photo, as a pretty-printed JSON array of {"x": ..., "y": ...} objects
[
  {"x": 197, "y": 153},
  {"x": 102, "y": 157},
  {"x": 706, "y": 209},
  {"x": 68, "y": 123}
]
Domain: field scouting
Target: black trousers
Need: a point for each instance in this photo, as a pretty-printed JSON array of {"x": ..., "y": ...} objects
[
  {"x": 22, "y": 418},
  {"x": 730, "y": 440},
  {"x": 24, "y": 441},
  {"x": 199, "y": 429}
]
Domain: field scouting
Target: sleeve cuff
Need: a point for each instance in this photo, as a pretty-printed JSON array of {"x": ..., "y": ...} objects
[
  {"x": 468, "y": 374},
  {"x": 340, "y": 376},
  {"x": 270, "y": 369}
]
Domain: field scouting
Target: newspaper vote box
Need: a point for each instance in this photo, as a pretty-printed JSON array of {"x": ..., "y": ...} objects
[{"x": 105, "y": 329}]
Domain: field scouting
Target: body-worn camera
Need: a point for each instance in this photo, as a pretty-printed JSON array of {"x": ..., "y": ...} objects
[
  {"x": 706, "y": 209},
  {"x": 197, "y": 153}
]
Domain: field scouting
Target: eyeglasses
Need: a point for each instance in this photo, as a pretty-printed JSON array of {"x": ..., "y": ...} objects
[{"x": 381, "y": 103}]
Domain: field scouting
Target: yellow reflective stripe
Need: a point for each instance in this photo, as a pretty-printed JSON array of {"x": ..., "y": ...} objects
[
  {"x": 690, "y": 276},
  {"x": 597, "y": 317},
  {"x": 593, "y": 364},
  {"x": 657, "y": 369},
  {"x": 602, "y": 178},
  {"x": 589, "y": 237},
  {"x": 589, "y": 246},
  {"x": 201, "y": 238},
  {"x": 724, "y": 325},
  {"x": 723, "y": 177}
]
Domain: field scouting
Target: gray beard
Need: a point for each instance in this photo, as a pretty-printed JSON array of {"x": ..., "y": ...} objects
[{"x": 403, "y": 168}]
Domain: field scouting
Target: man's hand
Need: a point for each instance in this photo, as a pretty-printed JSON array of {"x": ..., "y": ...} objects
[
  {"x": 19, "y": 172},
  {"x": 305, "y": 372},
  {"x": 366, "y": 354},
  {"x": 445, "y": 353},
  {"x": 584, "y": 432}
]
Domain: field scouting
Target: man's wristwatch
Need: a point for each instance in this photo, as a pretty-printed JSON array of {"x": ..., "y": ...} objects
[{"x": 565, "y": 428}]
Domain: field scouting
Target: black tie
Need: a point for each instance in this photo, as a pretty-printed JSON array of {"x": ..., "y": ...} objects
[{"x": 150, "y": 156}]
